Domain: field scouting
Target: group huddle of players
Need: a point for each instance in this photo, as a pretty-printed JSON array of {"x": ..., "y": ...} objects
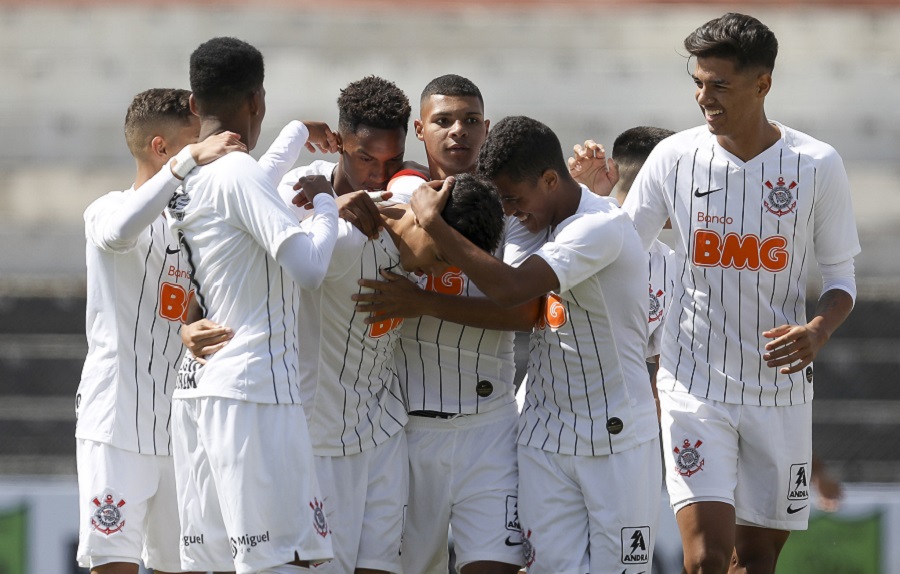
[{"x": 347, "y": 395}]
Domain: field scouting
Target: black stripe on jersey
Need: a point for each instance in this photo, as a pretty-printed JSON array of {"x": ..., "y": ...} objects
[
  {"x": 587, "y": 396},
  {"x": 440, "y": 374},
  {"x": 722, "y": 298},
  {"x": 201, "y": 300},
  {"x": 269, "y": 338},
  {"x": 709, "y": 317},
  {"x": 774, "y": 276},
  {"x": 344, "y": 368},
  {"x": 799, "y": 309},
  {"x": 286, "y": 329},
  {"x": 137, "y": 322},
  {"x": 566, "y": 384},
  {"x": 478, "y": 352},
  {"x": 740, "y": 283},
  {"x": 759, "y": 347},
  {"x": 691, "y": 268},
  {"x": 153, "y": 342},
  {"x": 687, "y": 259}
]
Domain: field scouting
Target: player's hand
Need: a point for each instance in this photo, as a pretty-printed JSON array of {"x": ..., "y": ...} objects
[
  {"x": 395, "y": 297},
  {"x": 359, "y": 209},
  {"x": 203, "y": 338},
  {"x": 429, "y": 199},
  {"x": 320, "y": 136},
  {"x": 793, "y": 347},
  {"x": 308, "y": 187},
  {"x": 215, "y": 146},
  {"x": 590, "y": 167}
]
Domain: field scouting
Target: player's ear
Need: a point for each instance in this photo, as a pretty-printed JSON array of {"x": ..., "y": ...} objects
[
  {"x": 550, "y": 179},
  {"x": 158, "y": 147},
  {"x": 419, "y": 127},
  {"x": 193, "y": 104},
  {"x": 487, "y": 125},
  {"x": 763, "y": 84},
  {"x": 255, "y": 102},
  {"x": 340, "y": 141}
]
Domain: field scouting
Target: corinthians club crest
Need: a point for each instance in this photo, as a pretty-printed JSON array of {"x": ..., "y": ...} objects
[
  {"x": 319, "y": 521},
  {"x": 780, "y": 199},
  {"x": 688, "y": 458},
  {"x": 107, "y": 517},
  {"x": 656, "y": 309}
]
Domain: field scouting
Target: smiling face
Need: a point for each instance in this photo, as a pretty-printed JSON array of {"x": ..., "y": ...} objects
[
  {"x": 529, "y": 202},
  {"x": 731, "y": 100},
  {"x": 453, "y": 129},
  {"x": 371, "y": 156}
]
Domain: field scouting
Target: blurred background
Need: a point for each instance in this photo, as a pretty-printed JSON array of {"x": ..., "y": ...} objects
[{"x": 588, "y": 69}]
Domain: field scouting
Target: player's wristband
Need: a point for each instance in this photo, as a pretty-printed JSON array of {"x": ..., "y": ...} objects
[{"x": 183, "y": 163}]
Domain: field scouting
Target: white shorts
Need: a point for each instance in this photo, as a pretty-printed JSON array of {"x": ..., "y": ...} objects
[
  {"x": 463, "y": 473},
  {"x": 128, "y": 511},
  {"x": 247, "y": 491},
  {"x": 366, "y": 495},
  {"x": 596, "y": 514},
  {"x": 754, "y": 458}
]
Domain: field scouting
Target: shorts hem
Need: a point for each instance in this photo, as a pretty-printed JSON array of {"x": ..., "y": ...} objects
[
  {"x": 725, "y": 498},
  {"x": 463, "y": 560},
  {"x": 198, "y": 566},
  {"x": 763, "y": 522},
  {"x": 87, "y": 561},
  {"x": 379, "y": 565}
]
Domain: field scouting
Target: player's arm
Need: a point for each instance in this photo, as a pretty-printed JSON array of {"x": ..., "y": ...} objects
[
  {"x": 793, "y": 347},
  {"x": 285, "y": 150},
  {"x": 645, "y": 203},
  {"x": 119, "y": 228},
  {"x": 305, "y": 256},
  {"x": 397, "y": 296},
  {"x": 505, "y": 285}
]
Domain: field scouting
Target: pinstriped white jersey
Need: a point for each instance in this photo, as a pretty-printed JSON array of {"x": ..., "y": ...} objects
[
  {"x": 744, "y": 232},
  {"x": 349, "y": 381},
  {"x": 662, "y": 285},
  {"x": 137, "y": 297},
  {"x": 232, "y": 223},
  {"x": 447, "y": 367},
  {"x": 588, "y": 389}
]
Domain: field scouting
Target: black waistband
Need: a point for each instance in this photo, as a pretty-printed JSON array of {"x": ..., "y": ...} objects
[{"x": 433, "y": 414}]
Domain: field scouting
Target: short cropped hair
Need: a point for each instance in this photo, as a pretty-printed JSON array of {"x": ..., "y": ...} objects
[
  {"x": 451, "y": 85},
  {"x": 522, "y": 149},
  {"x": 632, "y": 146},
  {"x": 474, "y": 210},
  {"x": 373, "y": 102},
  {"x": 223, "y": 72},
  {"x": 737, "y": 37},
  {"x": 154, "y": 112}
]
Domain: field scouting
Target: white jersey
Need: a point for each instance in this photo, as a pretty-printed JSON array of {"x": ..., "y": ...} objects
[
  {"x": 137, "y": 296},
  {"x": 231, "y": 224},
  {"x": 744, "y": 230},
  {"x": 448, "y": 367},
  {"x": 588, "y": 387},
  {"x": 662, "y": 285},
  {"x": 348, "y": 378},
  {"x": 286, "y": 186}
]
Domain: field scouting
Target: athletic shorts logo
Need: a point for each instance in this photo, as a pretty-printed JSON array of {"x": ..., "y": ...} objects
[
  {"x": 242, "y": 544},
  {"x": 635, "y": 545},
  {"x": 107, "y": 517},
  {"x": 688, "y": 461},
  {"x": 792, "y": 510},
  {"x": 512, "y": 514},
  {"x": 528, "y": 549},
  {"x": 780, "y": 199},
  {"x": 656, "y": 308},
  {"x": 319, "y": 521},
  {"x": 798, "y": 488}
]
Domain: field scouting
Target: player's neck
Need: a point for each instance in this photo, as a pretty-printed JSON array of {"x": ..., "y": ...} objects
[
  {"x": 438, "y": 172},
  {"x": 212, "y": 125},
  {"x": 145, "y": 170},
  {"x": 750, "y": 143},
  {"x": 568, "y": 202},
  {"x": 339, "y": 181},
  {"x": 397, "y": 219}
]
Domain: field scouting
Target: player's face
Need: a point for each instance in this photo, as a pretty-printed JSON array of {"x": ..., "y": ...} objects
[
  {"x": 185, "y": 135},
  {"x": 420, "y": 254},
  {"x": 371, "y": 156},
  {"x": 731, "y": 100},
  {"x": 453, "y": 129},
  {"x": 529, "y": 202}
]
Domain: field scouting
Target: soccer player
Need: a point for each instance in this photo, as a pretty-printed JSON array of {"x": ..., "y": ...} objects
[
  {"x": 349, "y": 379},
  {"x": 745, "y": 195},
  {"x": 614, "y": 177},
  {"x": 588, "y": 434},
  {"x": 136, "y": 298},
  {"x": 247, "y": 492},
  {"x": 457, "y": 377}
]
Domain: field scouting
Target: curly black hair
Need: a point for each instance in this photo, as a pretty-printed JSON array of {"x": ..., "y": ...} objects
[
  {"x": 451, "y": 85},
  {"x": 737, "y": 37},
  {"x": 474, "y": 210},
  {"x": 522, "y": 149},
  {"x": 154, "y": 111},
  {"x": 224, "y": 71},
  {"x": 373, "y": 102}
]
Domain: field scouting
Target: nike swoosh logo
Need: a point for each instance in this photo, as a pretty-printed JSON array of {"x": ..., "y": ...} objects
[
  {"x": 511, "y": 543},
  {"x": 698, "y": 193},
  {"x": 792, "y": 510},
  {"x": 172, "y": 250}
]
